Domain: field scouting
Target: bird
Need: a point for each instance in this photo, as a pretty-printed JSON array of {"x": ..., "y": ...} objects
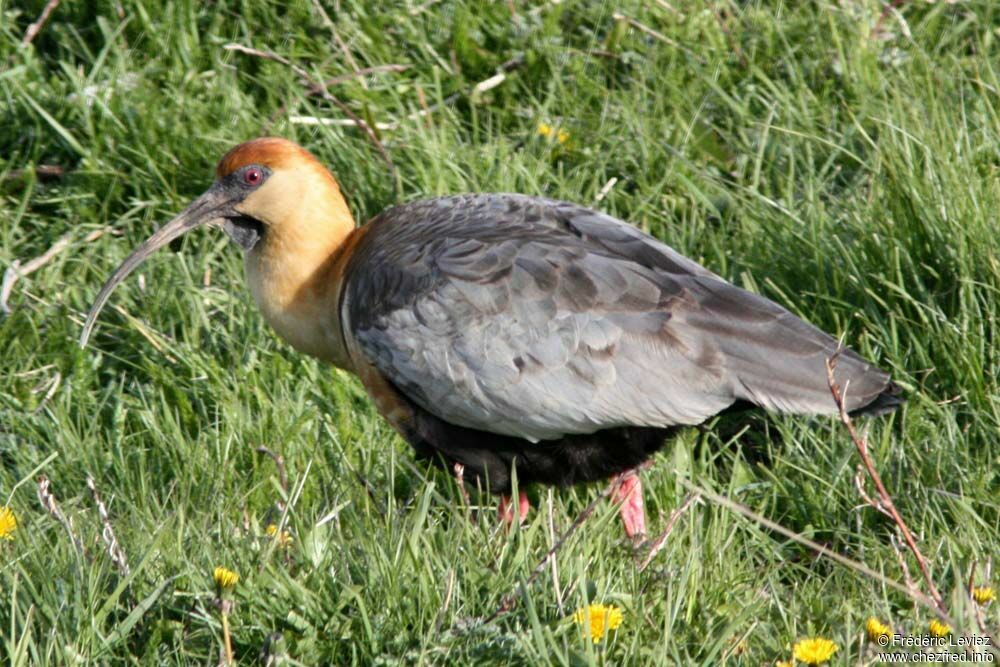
[{"x": 508, "y": 335}]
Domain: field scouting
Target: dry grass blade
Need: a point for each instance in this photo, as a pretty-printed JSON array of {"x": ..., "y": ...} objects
[
  {"x": 43, "y": 172},
  {"x": 655, "y": 34},
  {"x": 657, "y": 544},
  {"x": 48, "y": 500},
  {"x": 17, "y": 270},
  {"x": 50, "y": 387},
  {"x": 107, "y": 531}
]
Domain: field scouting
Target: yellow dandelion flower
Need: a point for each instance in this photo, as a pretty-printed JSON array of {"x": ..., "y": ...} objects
[
  {"x": 984, "y": 594},
  {"x": 814, "y": 650},
  {"x": 8, "y": 523},
  {"x": 549, "y": 132},
  {"x": 225, "y": 579},
  {"x": 939, "y": 629},
  {"x": 783, "y": 663},
  {"x": 876, "y": 629},
  {"x": 597, "y": 619},
  {"x": 283, "y": 538}
]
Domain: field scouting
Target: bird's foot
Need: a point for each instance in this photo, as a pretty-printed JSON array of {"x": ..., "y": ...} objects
[
  {"x": 459, "y": 471},
  {"x": 627, "y": 491},
  {"x": 506, "y": 508}
]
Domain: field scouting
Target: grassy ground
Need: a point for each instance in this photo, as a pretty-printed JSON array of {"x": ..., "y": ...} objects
[{"x": 836, "y": 157}]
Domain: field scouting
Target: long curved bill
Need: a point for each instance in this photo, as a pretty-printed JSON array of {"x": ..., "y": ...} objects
[{"x": 208, "y": 208}]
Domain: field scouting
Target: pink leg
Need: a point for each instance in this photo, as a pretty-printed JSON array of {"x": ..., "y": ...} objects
[
  {"x": 628, "y": 492},
  {"x": 506, "y": 508}
]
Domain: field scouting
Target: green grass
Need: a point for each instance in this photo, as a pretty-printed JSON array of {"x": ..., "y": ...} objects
[{"x": 851, "y": 174}]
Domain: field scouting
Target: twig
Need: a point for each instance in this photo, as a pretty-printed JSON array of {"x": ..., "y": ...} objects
[
  {"x": 884, "y": 498},
  {"x": 509, "y": 602},
  {"x": 48, "y": 501},
  {"x": 43, "y": 172},
  {"x": 381, "y": 126},
  {"x": 329, "y": 97},
  {"x": 364, "y": 71},
  {"x": 897, "y": 550},
  {"x": 107, "y": 531},
  {"x": 474, "y": 93},
  {"x": 36, "y": 27},
  {"x": 643, "y": 28},
  {"x": 419, "y": 9},
  {"x": 17, "y": 270},
  {"x": 425, "y": 110},
  {"x": 317, "y": 88},
  {"x": 348, "y": 56},
  {"x": 268, "y": 55},
  {"x": 859, "y": 484},
  {"x": 495, "y": 80},
  {"x": 658, "y": 543}
]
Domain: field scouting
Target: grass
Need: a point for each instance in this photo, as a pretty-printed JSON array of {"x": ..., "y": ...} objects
[{"x": 837, "y": 157}]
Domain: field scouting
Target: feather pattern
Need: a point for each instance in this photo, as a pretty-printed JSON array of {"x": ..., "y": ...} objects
[{"x": 538, "y": 319}]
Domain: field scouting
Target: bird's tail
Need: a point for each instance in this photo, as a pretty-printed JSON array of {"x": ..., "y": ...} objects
[{"x": 888, "y": 401}]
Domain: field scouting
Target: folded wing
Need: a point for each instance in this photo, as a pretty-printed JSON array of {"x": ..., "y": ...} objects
[{"x": 537, "y": 319}]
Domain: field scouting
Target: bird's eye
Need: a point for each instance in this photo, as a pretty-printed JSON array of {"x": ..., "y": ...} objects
[{"x": 253, "y": 176}]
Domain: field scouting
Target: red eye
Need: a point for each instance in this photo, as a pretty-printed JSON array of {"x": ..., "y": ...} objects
[{"x": 253, "y": 176}]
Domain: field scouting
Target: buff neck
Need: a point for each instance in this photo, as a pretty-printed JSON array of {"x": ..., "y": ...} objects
[{"x": 296, "y": 270}]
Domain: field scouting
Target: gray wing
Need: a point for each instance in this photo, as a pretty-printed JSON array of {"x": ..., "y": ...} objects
[{"x": 535, "y": 318}]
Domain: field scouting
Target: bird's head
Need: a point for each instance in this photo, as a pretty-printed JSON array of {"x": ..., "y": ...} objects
[{"x": 266, "y": 191}]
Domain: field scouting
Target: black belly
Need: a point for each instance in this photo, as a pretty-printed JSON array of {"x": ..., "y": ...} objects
[{"x": 489, "y": 458}]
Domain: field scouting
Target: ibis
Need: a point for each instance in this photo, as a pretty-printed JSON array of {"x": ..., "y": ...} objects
[{"x": 505, "y": 334}]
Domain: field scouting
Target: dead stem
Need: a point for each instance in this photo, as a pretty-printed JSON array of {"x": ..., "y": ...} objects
[
  {"x": 657, "y": 545},
  {"x": 36, "y": 27},
  {"x": 322, "y": 89},
  {"x": 883, "y": 494},
  {"x": 17, "y": 270},
  {"x": 48, "y": 500},
  {"x": 115, "y": 550}
]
